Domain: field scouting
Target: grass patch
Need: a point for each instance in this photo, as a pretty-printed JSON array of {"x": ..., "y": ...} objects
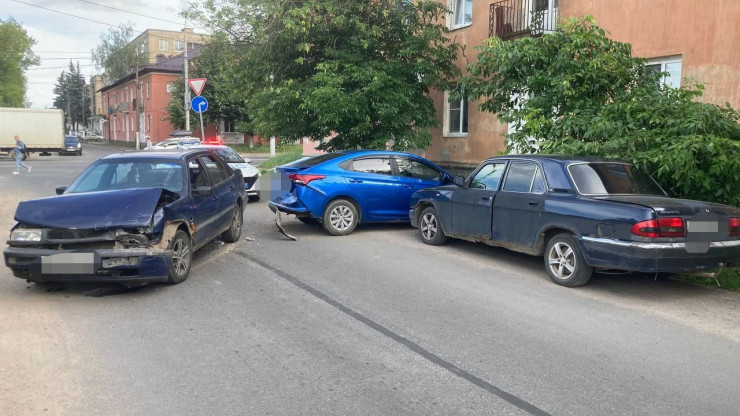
[
  {"x": 280, "y": 159},
  {"x": 729, "y": 280},
  {"x": 280, "y": 148}
]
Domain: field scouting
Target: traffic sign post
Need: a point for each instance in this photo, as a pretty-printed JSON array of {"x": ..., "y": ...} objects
[{"x": 199, "y": 105}]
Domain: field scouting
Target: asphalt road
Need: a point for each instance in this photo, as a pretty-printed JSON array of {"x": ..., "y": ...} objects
[{"x": 375, "y": 323}]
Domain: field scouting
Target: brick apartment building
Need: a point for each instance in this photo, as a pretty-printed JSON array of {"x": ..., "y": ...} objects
[{"x": 688, "y": 38}]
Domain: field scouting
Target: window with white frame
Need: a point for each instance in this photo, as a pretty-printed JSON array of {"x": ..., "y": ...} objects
[
  {"x": 456, "y": 116},
  {"x": 672, "y": 66},
  {"x": 170, "y": 87},
  {"x": 179, "y": 45},
  {"x": 462, "y": 13},
  {"x": 164, "y": 45}
]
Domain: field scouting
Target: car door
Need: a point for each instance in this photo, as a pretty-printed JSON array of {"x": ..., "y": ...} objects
[
  {"x": 224, "y": 191},
  {"x": 373, "y": 186},
  {"x": 203, "y": 208},
  {"x": 472, "y": 205},
  {"x": 517, "y": 208},
  {"x": 413, "y": 175}
]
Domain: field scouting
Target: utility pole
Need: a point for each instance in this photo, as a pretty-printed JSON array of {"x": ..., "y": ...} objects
[
  {"x": 185, "y": 71},
  {"x": 136, "y": 103}
]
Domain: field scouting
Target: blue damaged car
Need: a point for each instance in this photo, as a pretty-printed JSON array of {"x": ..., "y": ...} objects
[{"x": 130, "y": 218}]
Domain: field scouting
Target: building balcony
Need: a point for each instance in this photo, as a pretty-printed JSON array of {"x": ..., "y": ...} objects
[{"x": 512, "y": 19}]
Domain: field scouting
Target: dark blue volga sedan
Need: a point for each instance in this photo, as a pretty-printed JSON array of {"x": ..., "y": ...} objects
[
  {"x": 134, "y": 217},
  {"x": 343, "y": 189},
  {"x": 581, "y": 214}
]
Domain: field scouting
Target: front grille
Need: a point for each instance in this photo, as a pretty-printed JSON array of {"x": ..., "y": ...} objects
[
  {"x": 66, "y": 234},
  {"x": 250, "y": 181}
]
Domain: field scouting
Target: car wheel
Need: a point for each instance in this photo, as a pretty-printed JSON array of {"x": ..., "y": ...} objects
[
  {"x": 430, "y": 228},
  {"x": 254, "y": 198},
  {"x": 564, "y": 262},
  {"x": 182, "y": 256},
  {"x": 59, "y": 153},
  {"x": 79, "y": 153},
  {"x": 308, "y": 220},
  {"x": 235, "y": 228},
  {"x": 340, "y": 217}
]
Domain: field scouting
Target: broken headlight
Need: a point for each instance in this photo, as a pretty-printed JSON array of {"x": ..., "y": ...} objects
[{"x": 25, "y": 234}]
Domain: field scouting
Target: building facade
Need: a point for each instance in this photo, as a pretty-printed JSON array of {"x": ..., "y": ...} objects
[
  {"x": 688, "y": 39},
  {"x": 158, "y": 44}
]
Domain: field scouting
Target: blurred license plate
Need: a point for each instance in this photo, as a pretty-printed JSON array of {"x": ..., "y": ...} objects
[
  {"x": 68, "y": 263},
  {"x": 702, "y": 226}
]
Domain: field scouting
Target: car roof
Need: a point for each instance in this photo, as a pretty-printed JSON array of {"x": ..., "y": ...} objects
[
  {"x": 173, "y": 154},
  {"x": 566, "y": 159}
]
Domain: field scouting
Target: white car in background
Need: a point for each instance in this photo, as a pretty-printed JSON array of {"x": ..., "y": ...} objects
[{"x": 249, "y": 172}]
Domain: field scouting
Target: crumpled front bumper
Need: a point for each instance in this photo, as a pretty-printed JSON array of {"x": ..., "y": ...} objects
[{"x": 139, "y": 265}]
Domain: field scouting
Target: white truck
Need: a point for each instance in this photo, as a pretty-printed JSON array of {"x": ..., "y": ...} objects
[{"x": 40, "y": 130}]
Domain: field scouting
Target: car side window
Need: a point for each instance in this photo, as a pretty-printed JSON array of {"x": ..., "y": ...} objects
[
  {"x": 520, "y": 177},
  {"x": 488, "y": 177},
  {"x": 410, "y": 168},
  {"x": 538, "y": 186},
  {"x": 381, "y": 166},
  {"x": 197, "y": 174},
  {"x": 218, "y": 173}
]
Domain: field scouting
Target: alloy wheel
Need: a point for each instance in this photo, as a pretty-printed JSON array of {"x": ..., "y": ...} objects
[
  {"x": 180, "y": 257},
  {"x": 341, "y": 217},
  {"x": 428, "y": 226},
  {"x": 562, "y": 260}
]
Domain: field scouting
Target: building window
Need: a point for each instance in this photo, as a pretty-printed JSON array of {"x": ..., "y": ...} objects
[
  {"x": 148, "y": 122},
  {"x": 148, "y": 89},
  {"x": 164, "y": 45},
  {"x": 457, "y": 116},
  {"x": 229, "y": 126},
  {"x": 670, "y": 65},
  {"x": 170, "y": 87},
  {"x": 462, "y": 13},
  {"x": 179, "y": 45}
]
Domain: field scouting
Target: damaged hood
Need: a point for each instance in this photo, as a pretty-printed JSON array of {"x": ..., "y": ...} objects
[{"x": 124, "y": 208}]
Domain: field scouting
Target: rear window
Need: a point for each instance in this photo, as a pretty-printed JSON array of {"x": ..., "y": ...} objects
[
  {"x": 313, "y": 161},
  {"x": 71, "y": 139},
  {"x": 612, "y": 178}
]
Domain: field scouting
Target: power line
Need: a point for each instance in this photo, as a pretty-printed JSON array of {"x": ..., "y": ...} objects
[
  {"x": 67, "y": 14},
  {"x": 126, "y": 11}
]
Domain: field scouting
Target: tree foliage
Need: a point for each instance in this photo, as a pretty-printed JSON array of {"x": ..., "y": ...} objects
[
  {"x": 72, "y": 94},
  {"x": 587, "y": 95},
  {"x": 115, "y": 55},
  {"x": 176, "y": 105},
  {"x": 15, "y": 57},
  {"x": 360, "y": 70}
]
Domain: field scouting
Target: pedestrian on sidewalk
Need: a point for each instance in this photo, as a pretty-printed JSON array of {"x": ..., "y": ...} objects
[
  {"x": 148, "y": 143},
  {"x": 20, "y": 149}
]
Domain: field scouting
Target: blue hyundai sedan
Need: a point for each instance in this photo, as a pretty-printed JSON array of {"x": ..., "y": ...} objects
[{"x": 343, "y": 189}]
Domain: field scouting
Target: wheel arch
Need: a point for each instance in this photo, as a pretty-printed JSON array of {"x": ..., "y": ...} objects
[{"x": 547, "y": 233}]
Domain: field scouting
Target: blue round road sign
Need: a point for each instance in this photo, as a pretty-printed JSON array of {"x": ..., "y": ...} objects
[{"x": 199, "y": 104}]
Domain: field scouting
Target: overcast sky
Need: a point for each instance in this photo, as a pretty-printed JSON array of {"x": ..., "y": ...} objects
[{"x": 64, "y": 37}]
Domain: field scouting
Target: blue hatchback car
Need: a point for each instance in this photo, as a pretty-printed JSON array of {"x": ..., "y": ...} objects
[{"x": 342, "y": 189}]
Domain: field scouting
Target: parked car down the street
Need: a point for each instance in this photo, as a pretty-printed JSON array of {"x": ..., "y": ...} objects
[
  {"x": 175, "y": 142},
  {"x": 580, "y": 214},
  {"x": 343, "y": 189},
  {"x": 134, "y": 217},
  {"x": 72, "y": 145},
  {"x": 235, "y": 161}
]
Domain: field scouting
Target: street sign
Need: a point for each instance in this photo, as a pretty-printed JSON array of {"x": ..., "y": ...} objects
[
  {"x": 197, "y": 84},
  {"x": 199, "y": 104}
]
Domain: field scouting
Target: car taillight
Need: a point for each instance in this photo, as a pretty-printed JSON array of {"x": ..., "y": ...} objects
[
  {"x": 304, "y": 179},
  {"x": 662, "y": 227},
  {"x": 735, "y": 227}
]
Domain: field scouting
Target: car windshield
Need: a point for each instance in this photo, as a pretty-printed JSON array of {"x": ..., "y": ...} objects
[
  {"x": 612, "y": 178},
  {"x": 107, "y": 175},
  {"x": 229, "y": 155}
]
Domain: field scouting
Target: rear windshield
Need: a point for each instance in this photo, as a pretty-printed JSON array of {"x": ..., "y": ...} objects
[
  {"x": 313, "y": 161},
  {"x": 71, "y": 139},
  {"x": 612, "y": 179}
]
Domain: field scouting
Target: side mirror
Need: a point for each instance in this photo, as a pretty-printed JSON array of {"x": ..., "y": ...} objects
[
  {"x": 460, "y": 181},
  {"x": 203, "y": 191},
  {"x": 247, "y": 160},
  {"x": 61, "y": 189}
]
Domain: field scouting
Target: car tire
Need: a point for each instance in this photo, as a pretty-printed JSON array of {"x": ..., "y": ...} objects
[
  {"x": 234, "y": 232},
  {"x": 430, "y": 229},
  {"x": 79, "y": 153},
  {"x": 564, "y": 261},
  {"x": 254, "y": 198},
  {"x": 340, "y": 217},
  {"x": 182, "y": 257}
]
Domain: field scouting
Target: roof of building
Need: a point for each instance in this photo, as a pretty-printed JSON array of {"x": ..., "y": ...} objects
[{"x": 171, "y": 65}]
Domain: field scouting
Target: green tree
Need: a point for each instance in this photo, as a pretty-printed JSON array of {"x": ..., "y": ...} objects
[
  {"x": 15, "y": 57},
  {"x": 176, "y": 105},
  {"x": 72, "y": 94},
  {"x": 587, "y": 95},
  {"x": 115, "y": 55},
  {"x": 361, "y": 69}
]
